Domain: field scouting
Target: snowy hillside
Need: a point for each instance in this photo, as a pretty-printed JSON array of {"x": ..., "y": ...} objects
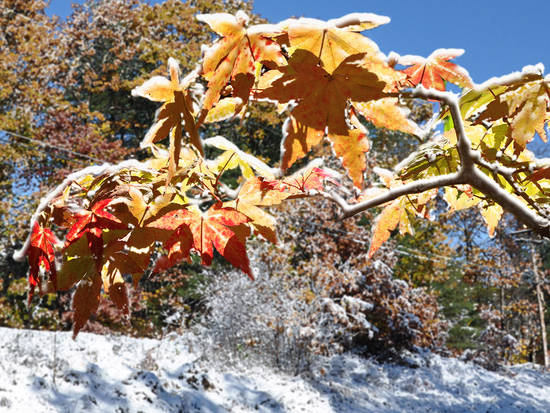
[{"x": 49, "y": 372}]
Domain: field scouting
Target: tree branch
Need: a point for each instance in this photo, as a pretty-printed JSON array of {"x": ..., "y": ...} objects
[{"x": 415, "y": 187}]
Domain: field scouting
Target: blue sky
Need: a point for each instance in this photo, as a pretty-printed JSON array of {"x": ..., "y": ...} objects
[{"x": 499, "y": 36}]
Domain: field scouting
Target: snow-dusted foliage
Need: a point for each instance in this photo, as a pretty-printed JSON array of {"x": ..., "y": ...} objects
[
  {"x": 316, "y": 293},
  {"x": 495, "y": 343},
  {"x": 48, "y": 372}
]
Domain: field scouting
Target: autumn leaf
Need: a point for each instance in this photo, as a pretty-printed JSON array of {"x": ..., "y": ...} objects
[
  {"x": 114, "y": 285},
  {"x": 460, "y": 197},
  {"x": 219, "y": 227},
  {"x": 385, "y": 222},
  {"x": 491, "y": 214},
  {"x": 525, "y": 106},
  {"x": 176, "y": 110},
  {"x": 259, "y": 191},
  {"x": 232, "y": 58},
  {"x": 334, "y": 41},
  {"x": 233, "y": 157},
  {"x": 386, "y": 113},
  {"x": 434, "y": 71},
  {"x": 85, "y": 302},
  {"x": 396, "y": 212},
  {"x": 90, "y": 223},
  {"x": 322, "y": 99},
  {"x": 41, "y": 255}
]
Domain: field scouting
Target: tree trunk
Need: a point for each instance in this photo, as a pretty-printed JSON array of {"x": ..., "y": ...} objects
[{"x": 540, "y": 303}]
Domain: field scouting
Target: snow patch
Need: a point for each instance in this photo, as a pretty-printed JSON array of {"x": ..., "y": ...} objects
[{"x": 48, "y": 372}]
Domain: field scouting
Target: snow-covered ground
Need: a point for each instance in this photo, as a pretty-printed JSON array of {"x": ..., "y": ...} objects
[{"x": 49, "y": 372}]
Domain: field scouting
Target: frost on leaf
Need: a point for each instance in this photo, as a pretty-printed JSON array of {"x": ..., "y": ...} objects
[
  {"x": 333, "y": 41},
  {"x": 322, "y": 99},
  {"x": 434, "y": 71},
  {"x": 524, "y": 106},
  {"x": 232, "y": 58},
  {"x": 177, "y": 109}
]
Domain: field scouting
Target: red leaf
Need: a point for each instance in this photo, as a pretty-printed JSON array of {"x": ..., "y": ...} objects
[
  {"x": 85, "y": 302},
  {"x": 219, "y": 227},
  {"x": 91, "y": 223},
  {"x": 436, "y": 69},
  {"x": 41, "y": 254}
]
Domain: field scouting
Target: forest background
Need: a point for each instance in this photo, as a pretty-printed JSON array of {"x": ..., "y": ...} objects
[{"x": 65, "y": 103}]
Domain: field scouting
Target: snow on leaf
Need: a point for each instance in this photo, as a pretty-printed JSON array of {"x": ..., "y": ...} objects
[
  {"x": 322, "y": 99},
  {"x": 526, "y": 106},
  {"x": 357, "y": 22},
  {"x": 333, "y": 41},
  {"x": 436, "y": 69},
  {"x": 158, "y": 88},
  {"x": 232, "y": 58},
  {"x": 386, "y": 113},
  {"x": 177, "y": 109}
]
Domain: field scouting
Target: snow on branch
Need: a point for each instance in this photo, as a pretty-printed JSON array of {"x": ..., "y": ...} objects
[{"x": 106, "y": 168}]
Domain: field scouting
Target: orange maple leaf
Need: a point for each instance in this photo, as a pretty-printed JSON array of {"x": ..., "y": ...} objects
[
  {"x": 436, "y": 69},
  {"x": 233, "y": 56},
  {"x": 176, "y": 110},
  {"x": 220, "y": 227},
  {"x": 334, "y": 40},
  {"x": 322, "y": 99}
]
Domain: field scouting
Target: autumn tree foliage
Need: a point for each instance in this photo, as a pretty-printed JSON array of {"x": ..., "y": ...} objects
[{"x": 106, "y": 223}]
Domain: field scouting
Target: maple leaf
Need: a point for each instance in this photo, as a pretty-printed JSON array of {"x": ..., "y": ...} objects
[
  {"x": 233, "y": 157},
  {"x": 114, "y": 285},
  {"x": 396, "y": 212},
  {"x": 385, "y": 222},
  {"x": 436, "y": 69},
  {"x": 232, "y": 58},
  {"x": 525, "y": 106},
  {"x": 85, "y": 302},
  {"x": 91, "y": 223},
  {"x": 460, "y": 197},
  {"x": 335, "y": 40},
  {"x": 491, "y": 214},
  {"x": 322, "y": 99},
  {"x": 260, "y": 192},
  {"x": 386, "y": 113},
  {"x": 218, "y": 227},
  {"x": 41, "y": 255},
  {"x": 177, "y": 109}
]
